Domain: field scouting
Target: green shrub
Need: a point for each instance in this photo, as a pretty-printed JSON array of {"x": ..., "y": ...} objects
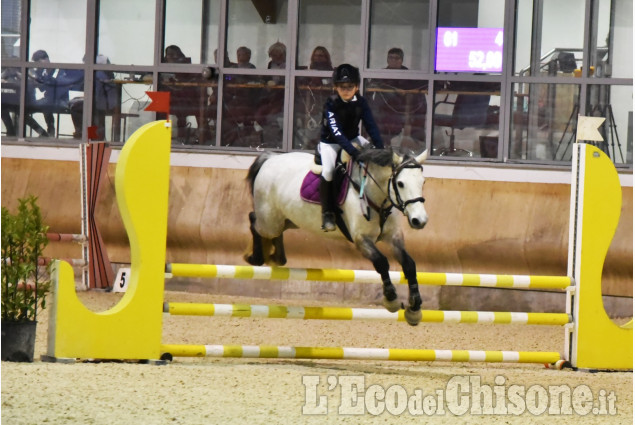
[{"x": 24, "y": 284}]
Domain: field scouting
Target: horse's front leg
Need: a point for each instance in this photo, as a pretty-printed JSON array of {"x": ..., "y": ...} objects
[
  {"x": 380, "y": 262},
  {"x": 413, "y": 312}
]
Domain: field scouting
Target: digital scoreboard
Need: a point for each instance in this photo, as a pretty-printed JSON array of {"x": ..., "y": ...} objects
[{"x": 469, "y": 50}]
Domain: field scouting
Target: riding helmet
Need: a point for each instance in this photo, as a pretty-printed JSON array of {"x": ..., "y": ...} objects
[{"x": 346, "y": 73}]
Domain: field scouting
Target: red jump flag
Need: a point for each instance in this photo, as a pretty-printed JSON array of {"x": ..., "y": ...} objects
[
  {"x": 92, "y": 132},
  {"x": 160, "y": 102}
]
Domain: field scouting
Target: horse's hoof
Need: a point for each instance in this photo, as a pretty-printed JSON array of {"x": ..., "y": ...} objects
[
  {"x": 412, "y": 317},
  {"x": 251, "y": 260},
  {"x": 392, "y": 306}
]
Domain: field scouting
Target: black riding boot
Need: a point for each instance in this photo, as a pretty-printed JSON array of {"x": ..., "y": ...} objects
[{"x": 328, "y": 217}]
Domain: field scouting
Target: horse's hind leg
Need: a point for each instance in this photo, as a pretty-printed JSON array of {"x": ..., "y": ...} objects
[
  {"x": 380, "y": 262},
  {"x": 278, "y": 257},
  {"x": 256, "y": 257}
]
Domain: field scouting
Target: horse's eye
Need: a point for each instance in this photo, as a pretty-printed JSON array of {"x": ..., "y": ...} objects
[{"x": 400, "y": 184}]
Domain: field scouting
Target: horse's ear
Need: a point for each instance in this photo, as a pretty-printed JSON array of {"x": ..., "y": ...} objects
[
  {"x": 396, "y": 159},
  {"x": 422, "y": 157}
]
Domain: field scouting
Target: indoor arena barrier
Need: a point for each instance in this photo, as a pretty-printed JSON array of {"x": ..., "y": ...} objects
[{"x": 132, "y": 329}]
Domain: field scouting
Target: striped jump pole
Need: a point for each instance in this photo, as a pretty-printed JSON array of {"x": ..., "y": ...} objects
[
  {"x": 365, "y": 276},
  {"x": 66, "y": 237},
  {"x": 346, "y": 313},
  {"x": 347, "y": 353}
]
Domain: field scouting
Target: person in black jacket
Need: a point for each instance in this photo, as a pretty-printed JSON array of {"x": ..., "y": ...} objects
[{"x": 340, "y": 128}]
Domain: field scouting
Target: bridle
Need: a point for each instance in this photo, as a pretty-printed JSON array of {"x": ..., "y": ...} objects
[
  {"x": 392, "y": 182},
  {"x": 389, "y": 203}
]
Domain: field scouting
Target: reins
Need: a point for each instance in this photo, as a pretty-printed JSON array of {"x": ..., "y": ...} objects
[{"x": 384, "y": 210}]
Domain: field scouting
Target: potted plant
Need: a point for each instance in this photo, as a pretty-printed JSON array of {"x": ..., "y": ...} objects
[{"x": 24, "y": 283}]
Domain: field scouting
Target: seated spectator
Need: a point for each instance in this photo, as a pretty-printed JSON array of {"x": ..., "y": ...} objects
[
  {"x": 105, "y": 97},
  {"x": 11, "y": 78},
  {"x": 395, "y": 59},
  {"x": 243, "y": 56},
  {"x": 269, "y": 113},
  {"x": 278, "y": 55},
  {"x": 398, "y": 114},
  {"x": 312, "y": 93},
  {"x": 321, "y": 59},
  {"x": 227, "y": 62},
  {"x": 42, "y": 80},
  {"x": 184, "y": 99}
]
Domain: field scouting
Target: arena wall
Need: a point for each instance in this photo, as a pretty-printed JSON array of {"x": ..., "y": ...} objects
[{"x": 475, "y": 226}]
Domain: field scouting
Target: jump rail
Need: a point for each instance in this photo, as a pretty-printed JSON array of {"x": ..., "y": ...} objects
[
  {"x": 132, "y": 329},
  {"x": 347, "y": 313},
  {"x": 365, "y": 276},
  {"x": 349, "y": 353}
]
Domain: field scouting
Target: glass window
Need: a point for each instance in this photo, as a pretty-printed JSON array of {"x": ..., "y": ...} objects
[
  {"x": 119, "y": 100},
  {"x": 11, "y": 78},
  {"x": 193, "y": 26},
  {"x": 311, "y": 94},
  {"x": 612, "y": 54},
  {"x": 558, "y": 47},
  {"x": 11, "y": 19},
  {"x": 466, "y": 119},
  {"x": 544, "y": 119},
  {"x": 615, "y": 103},
  {"x": 399, "y": 108},
  {"x": 59, "y": 28},
  {"x": 48, "y": 98},
  {"x": 260, "y": 26},
  {"x": 191, "y": 111},
  {"x": 253, "y": 111},
  {"x": 402, "y": 24},
  {"x": 335, "y": 25},
  {"x": 126, "y": 31}
]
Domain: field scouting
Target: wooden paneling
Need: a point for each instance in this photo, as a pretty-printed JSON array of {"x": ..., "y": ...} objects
[{"x": 474, "y": 227}]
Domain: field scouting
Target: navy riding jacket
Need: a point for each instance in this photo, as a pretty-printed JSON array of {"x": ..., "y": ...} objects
[{"x": 340, "y": 122}]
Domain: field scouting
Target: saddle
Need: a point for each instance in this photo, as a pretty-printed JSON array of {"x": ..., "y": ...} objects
[{"x": 310, "y": 189}]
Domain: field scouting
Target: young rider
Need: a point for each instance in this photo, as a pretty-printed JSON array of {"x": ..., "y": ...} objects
[{"x": 340, "y": 127}]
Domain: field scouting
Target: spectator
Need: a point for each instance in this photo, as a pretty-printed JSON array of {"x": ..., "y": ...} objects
[
  {"x": 321, "y": 59},
  {"x": 395, "y": 59},
  {"x": 185, "y": 98},
  {"x": 105, "y": 96},
  {"x": 243, "y": 56},
  {"x": 42, "y": 79},
  {"x": 278, "y": 55},
  {"x": 312, "y": 93},
  {"x": 396, "y": 110}
]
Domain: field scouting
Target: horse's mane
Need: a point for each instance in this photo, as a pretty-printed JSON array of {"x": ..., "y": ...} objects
[{"x": 382, "y": 157}]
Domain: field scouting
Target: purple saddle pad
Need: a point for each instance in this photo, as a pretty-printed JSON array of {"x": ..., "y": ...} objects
[{"x": 310, "y": 189}]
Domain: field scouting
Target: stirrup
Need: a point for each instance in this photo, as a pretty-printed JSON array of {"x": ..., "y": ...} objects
[{"x": 328, "y": 222}]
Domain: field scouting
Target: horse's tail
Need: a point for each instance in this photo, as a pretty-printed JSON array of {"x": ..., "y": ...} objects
[{"x": 255, "y": 168}]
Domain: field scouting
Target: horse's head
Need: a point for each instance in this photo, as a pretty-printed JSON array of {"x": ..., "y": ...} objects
[{"x": 405, "y": 188}]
